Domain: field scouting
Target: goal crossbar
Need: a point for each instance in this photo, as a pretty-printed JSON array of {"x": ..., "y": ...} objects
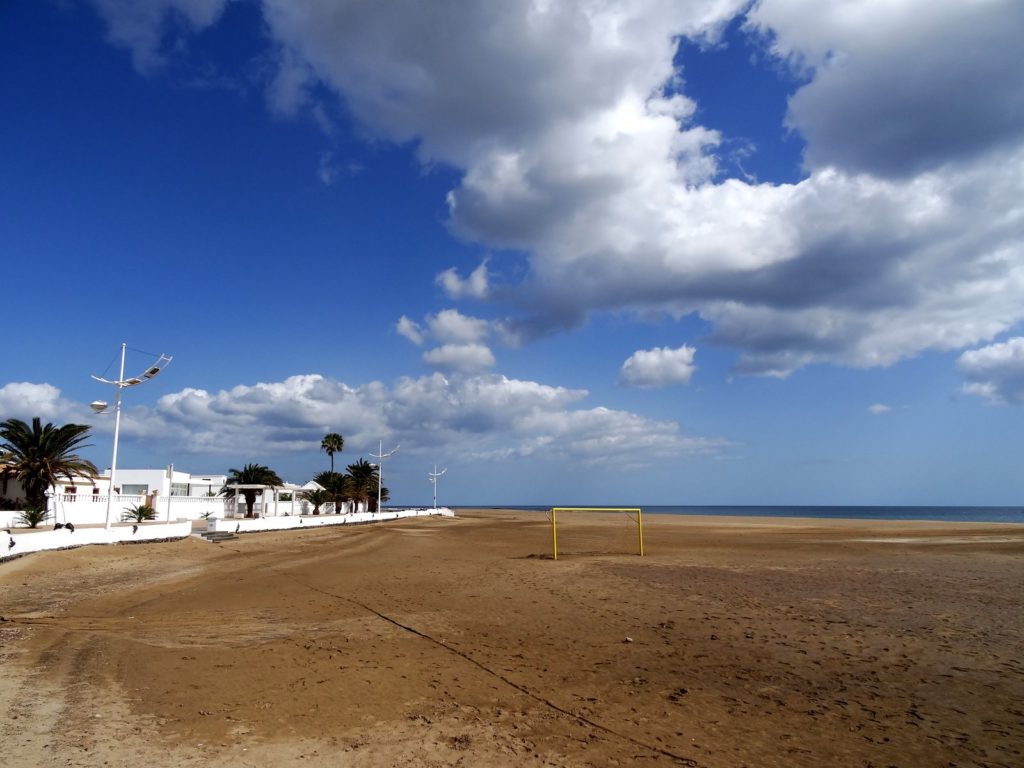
[{"x": 639, "y": 523}]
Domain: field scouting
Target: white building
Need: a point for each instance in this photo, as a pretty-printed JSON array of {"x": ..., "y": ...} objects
[
  {"x": 163, "y": 482},
  {"x": 173, "y": 494}
]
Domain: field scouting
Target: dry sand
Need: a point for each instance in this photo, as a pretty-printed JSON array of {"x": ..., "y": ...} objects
[{"x": 460, "y": 642}]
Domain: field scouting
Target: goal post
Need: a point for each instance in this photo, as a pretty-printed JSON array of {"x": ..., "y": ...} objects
[{"x": 628, "y": 510}]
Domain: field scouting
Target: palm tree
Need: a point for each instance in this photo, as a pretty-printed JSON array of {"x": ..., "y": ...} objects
[
  {"x": 250, "y": 474},
  {"x": 364, "y": 481},
  {"x": 331, "y": 444},
  {"x": 336, "y": 484},
  {"x": 317, "y": 497},
  {"x": 39, "y": 455}
]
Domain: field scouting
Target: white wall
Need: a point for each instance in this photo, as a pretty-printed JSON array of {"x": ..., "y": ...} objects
[
  {"x": 283, "y": 523},
  {"x": 87, "y": 509},
  {"x": 26, "y": 541},
  {"x": 90, "y": 509}
]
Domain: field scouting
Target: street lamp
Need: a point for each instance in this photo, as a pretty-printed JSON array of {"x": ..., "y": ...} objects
[
  {"x": 433, "y": 478},
  {"x": 380, "y": 456},
  {"x": 99, "y": 406}
]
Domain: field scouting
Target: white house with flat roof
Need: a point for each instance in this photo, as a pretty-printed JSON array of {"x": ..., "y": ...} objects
[
  {"x": 83, "y": 500},
  {"x": 164, "y": 482},
  {"x": 173, "y": 494}
]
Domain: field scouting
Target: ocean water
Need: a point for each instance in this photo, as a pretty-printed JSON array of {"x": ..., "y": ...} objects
[{"x": 943, "y": 514}]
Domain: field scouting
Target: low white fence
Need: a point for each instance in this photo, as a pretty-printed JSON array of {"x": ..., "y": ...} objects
[
  {"x": 83, "y": 509},
  {"x": 285, "y": 522},
  {"x": 25, "y": 540},
  {"x": 22, "y": 541},
  {"x": 91, "y": 509}
]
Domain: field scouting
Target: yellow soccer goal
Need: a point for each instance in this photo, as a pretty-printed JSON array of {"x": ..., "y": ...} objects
[{"x": 636, "y": 513}]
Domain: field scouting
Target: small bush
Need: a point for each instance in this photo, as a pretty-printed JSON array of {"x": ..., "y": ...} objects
[
  {"x": 138, "y": 513},
  {"x": 31, "y": 518}
]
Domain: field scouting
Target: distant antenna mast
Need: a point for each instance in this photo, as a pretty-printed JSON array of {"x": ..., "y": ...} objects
[
  {"x": 100, "y": 406},
  {"x": 433, "y": 478},
  {"x": 380, "y": 456}
]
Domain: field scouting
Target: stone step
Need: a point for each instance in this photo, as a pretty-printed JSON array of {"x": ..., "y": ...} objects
[{"x": 218, "y": 536}]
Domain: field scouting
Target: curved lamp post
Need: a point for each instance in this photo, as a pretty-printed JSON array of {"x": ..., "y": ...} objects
[
  {"x": 100, "y": 406},
  {"x": 380, "y": 456},
  {"x": 433, "y": 478}
]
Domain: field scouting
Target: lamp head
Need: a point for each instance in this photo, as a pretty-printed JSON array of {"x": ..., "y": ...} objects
[{"x": 98, "y": 406}]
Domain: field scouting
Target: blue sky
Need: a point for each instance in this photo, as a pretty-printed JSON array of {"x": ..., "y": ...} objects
[{"x": 646, "y": 252}]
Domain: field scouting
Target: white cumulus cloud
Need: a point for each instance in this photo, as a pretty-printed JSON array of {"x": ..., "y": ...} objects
[
  {"x": 450, "y": 325},
  {"x": 660, "y": 367},
  {"x": 24, "y": 400},
  {"x": 410, "y": 330},
  {"x": 488, "y": 416},
  {"x": 995, "y": 372},
  {"x": 900, "y": 87},
  {"x": 460, "y": 357},
  {"x": 460, "y": 340},
  {"x": 476, "y": 286},
  {"x": 576, "y": 143}
]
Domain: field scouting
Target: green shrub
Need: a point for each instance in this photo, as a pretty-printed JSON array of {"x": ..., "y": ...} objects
[
  {"x": 31, "y": 518},
  {"x": 138, "y": 513}
]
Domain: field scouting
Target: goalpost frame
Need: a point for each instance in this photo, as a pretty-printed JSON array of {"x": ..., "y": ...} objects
[{"x": 639, "y": 523}]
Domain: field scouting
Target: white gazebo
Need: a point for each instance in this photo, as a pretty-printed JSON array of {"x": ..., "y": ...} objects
[{"x": 261, "y": 489}]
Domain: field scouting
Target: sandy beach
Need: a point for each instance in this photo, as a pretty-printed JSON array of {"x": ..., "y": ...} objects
[{"x": 443, "y": 642}]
